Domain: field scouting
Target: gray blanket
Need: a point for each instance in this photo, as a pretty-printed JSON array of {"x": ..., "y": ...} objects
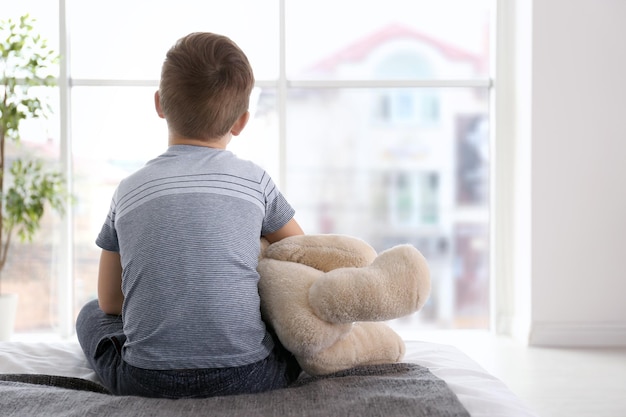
[{"x": 377, "y": 390}]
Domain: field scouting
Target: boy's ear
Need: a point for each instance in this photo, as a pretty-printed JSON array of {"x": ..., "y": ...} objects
[
  {"x": 240, "y": 124},
  {"x": 157, "y": 104}
]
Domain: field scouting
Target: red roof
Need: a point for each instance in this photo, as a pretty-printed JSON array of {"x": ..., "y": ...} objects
[{"x": 361, "y": 48}]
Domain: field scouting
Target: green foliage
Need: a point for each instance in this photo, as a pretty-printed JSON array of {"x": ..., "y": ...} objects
[
  {"x": 25, "y": 199},
  {"x": 26, "y": 61}
]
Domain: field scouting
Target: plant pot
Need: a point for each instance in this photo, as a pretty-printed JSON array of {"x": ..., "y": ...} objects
[{"x": 8, "y": 310}]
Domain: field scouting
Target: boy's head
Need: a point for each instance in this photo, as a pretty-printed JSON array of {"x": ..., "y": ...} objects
[{"x": 206, "y": 81}]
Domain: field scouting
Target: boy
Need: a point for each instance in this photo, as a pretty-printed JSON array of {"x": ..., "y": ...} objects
[{"x": 178, "y": 310}]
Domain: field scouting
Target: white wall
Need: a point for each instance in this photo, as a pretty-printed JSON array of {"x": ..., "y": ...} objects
[{"x": 578, "y": 172}]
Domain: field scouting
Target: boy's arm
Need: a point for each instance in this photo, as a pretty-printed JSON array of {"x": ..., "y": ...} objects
[
  {"x": 292, "y": 228},
  {"x": 110, "y": 296}
]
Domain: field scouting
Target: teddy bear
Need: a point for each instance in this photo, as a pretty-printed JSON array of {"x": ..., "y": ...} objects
[{"x": 326, "y": 297}]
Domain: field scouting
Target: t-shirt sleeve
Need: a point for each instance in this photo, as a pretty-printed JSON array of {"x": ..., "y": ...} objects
[
  {"x": 278, "y": 211},
  {"x": 107, "y": 238}
]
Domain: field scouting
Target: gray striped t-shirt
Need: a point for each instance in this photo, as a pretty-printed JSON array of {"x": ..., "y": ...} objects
[{"x": 187, "y": 227}]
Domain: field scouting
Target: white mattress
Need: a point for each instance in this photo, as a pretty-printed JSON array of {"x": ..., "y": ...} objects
[{"x": 482, "y": 394}]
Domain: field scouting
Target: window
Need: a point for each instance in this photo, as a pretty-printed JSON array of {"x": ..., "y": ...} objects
[{"x": 377, "y": 128}]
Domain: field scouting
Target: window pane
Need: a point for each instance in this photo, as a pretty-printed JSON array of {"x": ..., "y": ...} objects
[
  {"x": 259, "y": 141},
  {"x": 393, "y": 39},
  {"x": 395, "y": 166},
  {"x": 31, "y": 270},
  {"x": 45, "y": 13},
  {"x": 121, "y": 39}
]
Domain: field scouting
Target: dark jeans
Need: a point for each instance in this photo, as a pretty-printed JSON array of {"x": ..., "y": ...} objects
[{"x": 101, "y": 338}]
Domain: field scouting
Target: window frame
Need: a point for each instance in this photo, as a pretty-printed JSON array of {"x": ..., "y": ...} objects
[{"x": 501, "y": 200}]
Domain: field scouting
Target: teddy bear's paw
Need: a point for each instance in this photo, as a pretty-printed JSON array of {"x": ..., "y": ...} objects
[
  {"x": 323, "y": 252},
  {"x": 396, "y": 284},
  {"x": 366, "y": 344}
]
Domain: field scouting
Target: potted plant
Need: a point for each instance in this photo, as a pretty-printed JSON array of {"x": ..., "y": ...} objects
[{"x": 26, "y": 187}]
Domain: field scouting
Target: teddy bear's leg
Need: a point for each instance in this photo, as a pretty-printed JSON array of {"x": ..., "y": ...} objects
[
  {"x": 397, "y": 283},
  {"x": 284, "y": 288},
  {"x": 323, "y": 252},
  {"x": 367, "y": 344}
]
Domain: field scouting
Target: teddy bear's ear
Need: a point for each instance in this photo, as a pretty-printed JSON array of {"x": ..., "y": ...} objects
[{"x": 323, "y": 252}]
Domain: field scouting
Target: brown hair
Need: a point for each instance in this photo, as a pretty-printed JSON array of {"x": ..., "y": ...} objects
[{"x": 206, "y": 81}]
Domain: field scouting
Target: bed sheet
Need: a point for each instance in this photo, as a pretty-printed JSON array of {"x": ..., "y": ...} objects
[{"x": 482, "y": 394}]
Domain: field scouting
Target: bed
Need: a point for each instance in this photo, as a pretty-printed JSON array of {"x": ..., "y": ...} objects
[{"x": 53, "y": 379}]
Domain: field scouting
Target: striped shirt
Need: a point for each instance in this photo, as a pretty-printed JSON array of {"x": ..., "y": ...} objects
[{"x": 187, "y": 227}]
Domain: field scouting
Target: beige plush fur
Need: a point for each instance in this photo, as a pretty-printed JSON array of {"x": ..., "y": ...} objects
[{"x": 327, "y": 295}]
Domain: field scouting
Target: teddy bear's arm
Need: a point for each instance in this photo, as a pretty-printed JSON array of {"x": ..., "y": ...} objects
[
  {"x": 396, "y": 284},
  {"x": 323, "y": 252}
]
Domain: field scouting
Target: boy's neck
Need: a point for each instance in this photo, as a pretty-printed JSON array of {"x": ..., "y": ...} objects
[{"x": 220, "y": 143}]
